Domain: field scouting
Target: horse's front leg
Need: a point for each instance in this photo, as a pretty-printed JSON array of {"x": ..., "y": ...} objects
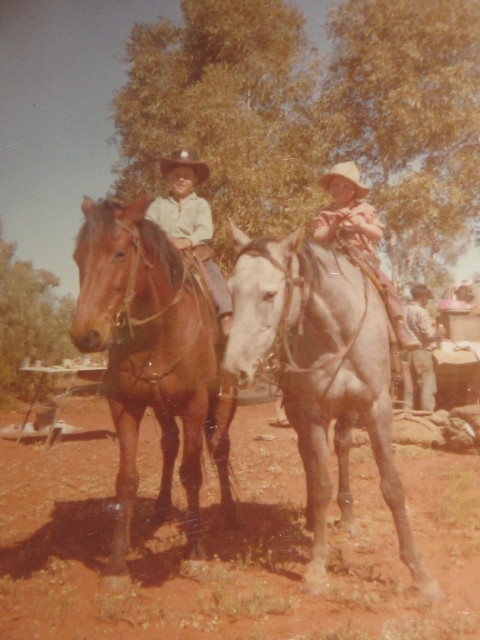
[
  {"x": 127, "y": 418},
  {"x": 170, "y": 442},
  {"x": 220, "y": 415},
  {"x": 343, "y": 443},
  {"x": 313, "y": 449},
  {"x": 378, "y": 423},
  {"x": 191, "y": 470}
]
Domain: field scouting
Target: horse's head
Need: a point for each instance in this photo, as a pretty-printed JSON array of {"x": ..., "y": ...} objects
[
  {"x": 259, "y": 285},
  {"x": 107, "y": 247}
]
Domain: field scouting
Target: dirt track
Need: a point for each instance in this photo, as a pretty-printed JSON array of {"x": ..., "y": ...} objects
[{"x": 55, "y": 526}]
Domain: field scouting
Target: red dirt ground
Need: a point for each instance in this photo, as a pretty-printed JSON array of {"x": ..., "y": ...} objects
[{"x": 55, "y": 527}]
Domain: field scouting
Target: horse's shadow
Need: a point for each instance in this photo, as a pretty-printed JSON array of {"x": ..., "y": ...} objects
[
  {"x": 87, "y": 436},
  {"x": 270, "y": 536}
]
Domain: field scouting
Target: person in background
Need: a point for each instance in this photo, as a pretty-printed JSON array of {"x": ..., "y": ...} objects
[
  {"x": 187, "y": 220},
  {"x": 420, "y": 359},
  {"x": 348, "y": 212}
]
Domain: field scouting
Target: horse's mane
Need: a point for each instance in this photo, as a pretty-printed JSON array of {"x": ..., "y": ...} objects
[
  {"x": 155, "y": 240},
  {"x": 312, "y": 262},
  {"x": 257, "y": 246}
]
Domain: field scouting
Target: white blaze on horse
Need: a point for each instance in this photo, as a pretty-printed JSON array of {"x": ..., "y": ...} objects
[{"x": 315, "y": 312}]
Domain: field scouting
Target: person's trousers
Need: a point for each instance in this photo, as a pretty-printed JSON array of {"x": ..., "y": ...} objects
[
  {"x": 218, "y": 287},
  {"x": 424, "y": 379}
]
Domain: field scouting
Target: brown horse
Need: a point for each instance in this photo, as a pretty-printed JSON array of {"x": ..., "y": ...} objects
[{"x": 140, "y": 300}]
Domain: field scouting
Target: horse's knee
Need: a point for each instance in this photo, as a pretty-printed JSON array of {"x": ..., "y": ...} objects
[
  {"x": 220, "y": 448},
  {"x": 127, "y": 484},
  {"x": 170, "y": 442},
  {"x": 320, "y": 496},
  {"x": 191, "y": 474},
  {"x": 392, "y": 491}
]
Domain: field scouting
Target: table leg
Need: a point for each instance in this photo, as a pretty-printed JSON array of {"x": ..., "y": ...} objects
[{"x": 29, "y": 410}]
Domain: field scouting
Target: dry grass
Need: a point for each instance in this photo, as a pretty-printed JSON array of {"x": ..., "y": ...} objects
[
  {"x": 55, "y": 515},
  {"x": 459, "y": 506}
]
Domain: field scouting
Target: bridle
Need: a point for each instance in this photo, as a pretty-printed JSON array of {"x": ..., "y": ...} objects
[
  {"x": 123, "y": 318},
  {"x": 281, "y": 359}
]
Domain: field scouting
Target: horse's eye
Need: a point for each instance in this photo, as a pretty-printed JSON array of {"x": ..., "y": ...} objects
[
  {"x": 268, "y": 296},
  {"x": 118, "y": 256}
]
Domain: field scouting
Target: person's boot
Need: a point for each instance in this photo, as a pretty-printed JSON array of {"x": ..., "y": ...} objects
[{"x": 406, "y": 342}]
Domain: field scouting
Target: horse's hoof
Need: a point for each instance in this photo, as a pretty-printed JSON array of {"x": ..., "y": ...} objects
[
  {"x": 430, "y": 590},
  {"x": 315, "y": 581},
  {"x": 116, "y": 584},
  {"x": 315, "y": 589},
  {"x": 350, "y": 526},
  {"x": 195, "y": 551}
]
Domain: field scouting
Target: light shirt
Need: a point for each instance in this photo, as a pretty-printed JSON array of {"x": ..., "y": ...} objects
[
  {"x": 420, "y": 325},
  {"x": 331, "y": 218},
  {"x": 190, "y": 218}
]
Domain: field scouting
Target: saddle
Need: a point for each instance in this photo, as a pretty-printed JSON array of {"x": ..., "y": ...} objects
[
  {"x": 193, "y": 261},
  {"x": 203, "y": 252}
]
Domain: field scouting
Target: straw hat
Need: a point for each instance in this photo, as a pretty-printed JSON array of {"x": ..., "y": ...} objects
[
  {"x": 185, "y": 158},
  {"x": 347, "y": 170}
]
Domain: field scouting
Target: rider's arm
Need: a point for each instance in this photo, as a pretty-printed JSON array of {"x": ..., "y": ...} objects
[
  {"x": 324, "y": 228},
  {"x": 371, "y": 230},
  {"x": 203, "y": 226},
  {"x": 365, "y": 218}
]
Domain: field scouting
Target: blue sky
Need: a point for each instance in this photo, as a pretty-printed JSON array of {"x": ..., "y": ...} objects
[{"x": 60, "y": 64}]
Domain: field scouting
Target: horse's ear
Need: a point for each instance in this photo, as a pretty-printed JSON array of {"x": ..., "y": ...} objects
[
  {"x": 240, "y": 239},
  {"x": 88, "y": 205},
  {"x": 292, "y": 243},
  {"x": 137, "y": 209}
]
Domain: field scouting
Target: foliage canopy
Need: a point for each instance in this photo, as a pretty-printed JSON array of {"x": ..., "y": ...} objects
[
  {"x": 34, "y": 321},
  {"x": 239, "y": 82},
  {"x": 401, "y": 96}
]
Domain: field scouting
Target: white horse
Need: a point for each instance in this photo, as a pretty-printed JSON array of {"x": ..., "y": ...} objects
[{"x": 317, "y": 314}]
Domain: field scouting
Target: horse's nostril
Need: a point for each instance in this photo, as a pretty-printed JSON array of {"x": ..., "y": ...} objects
[{"x": 92, "y": 340}]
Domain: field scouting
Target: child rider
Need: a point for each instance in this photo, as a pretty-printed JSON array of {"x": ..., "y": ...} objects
[
  {"x": 187, "y": 220},
  {"x": 348, "y": 210}
]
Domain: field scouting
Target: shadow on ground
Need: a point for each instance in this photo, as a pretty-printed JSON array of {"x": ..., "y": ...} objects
[{"x": 270, "y": 536}]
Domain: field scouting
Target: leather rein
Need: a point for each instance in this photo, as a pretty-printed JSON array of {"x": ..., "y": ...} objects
[
  {"x": 282, "y": 342},
  {"x": 124, "y": 316},
  {"x": 124, "y": 319}
]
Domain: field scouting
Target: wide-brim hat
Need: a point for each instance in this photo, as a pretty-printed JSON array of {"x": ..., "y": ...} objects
[
  {"x": 185, "y": 158},
  {"x": 347, "y": 170}
]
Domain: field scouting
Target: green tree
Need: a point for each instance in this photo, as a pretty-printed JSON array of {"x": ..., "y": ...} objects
[
  {"x": 33, "y": 320},
  {"x": 401, "y": 97},
  {"x": 238, "y": 82}
]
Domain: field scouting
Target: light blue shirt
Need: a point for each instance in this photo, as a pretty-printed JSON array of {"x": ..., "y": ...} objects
[{"x": 190, "y": 218}]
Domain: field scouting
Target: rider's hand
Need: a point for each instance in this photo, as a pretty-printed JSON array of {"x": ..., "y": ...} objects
[
  {"x": 356, "y": 220},
  {"x": 181, "y": 243}
]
